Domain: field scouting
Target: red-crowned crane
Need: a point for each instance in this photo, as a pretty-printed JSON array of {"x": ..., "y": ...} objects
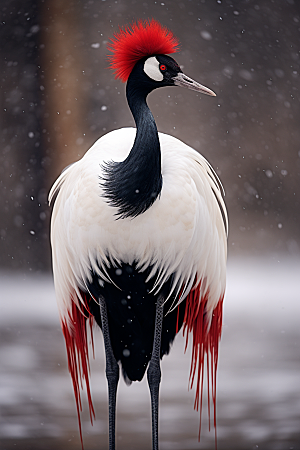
[{"x": 138, "y": 234}]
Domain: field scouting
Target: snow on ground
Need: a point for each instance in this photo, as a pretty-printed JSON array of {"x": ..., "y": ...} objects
[
  {"x": 266, "y": 287},
  {"x": 258, "y": 375}
]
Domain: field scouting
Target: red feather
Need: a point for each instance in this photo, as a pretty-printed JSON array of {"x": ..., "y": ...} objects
[
  {"x": 144, "y": 38},
  {"x": 76, "y": 338},
  {"x": 206, "y": 338},
  {"x": 205, "y": 345}
]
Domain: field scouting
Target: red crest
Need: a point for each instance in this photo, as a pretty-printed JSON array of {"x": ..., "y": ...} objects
[{"x": 144, "y": 38}]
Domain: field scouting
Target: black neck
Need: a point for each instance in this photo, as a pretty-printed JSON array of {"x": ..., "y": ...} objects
[{"x": 135, "y": 183}]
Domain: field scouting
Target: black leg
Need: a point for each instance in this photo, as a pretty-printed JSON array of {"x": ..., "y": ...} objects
[
  {"x": 154, "y": 373},
  {"x": 112, "y": 374}
]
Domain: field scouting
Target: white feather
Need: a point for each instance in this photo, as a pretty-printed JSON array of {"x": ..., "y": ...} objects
[
  {"x": 151, "y": 68},
  {"x": 182, "y": 232}
]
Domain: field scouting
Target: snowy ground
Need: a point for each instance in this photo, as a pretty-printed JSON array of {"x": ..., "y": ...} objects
[{"x": 258, "y": 378}]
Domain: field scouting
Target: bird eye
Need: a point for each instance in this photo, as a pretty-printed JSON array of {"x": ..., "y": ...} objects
[{"x": 162, "y": 67}]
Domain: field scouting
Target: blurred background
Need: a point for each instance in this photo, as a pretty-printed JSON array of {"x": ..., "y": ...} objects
[{"x": 57, "y": 97}]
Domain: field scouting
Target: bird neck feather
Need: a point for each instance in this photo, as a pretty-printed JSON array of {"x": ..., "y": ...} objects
[{"x": 135, "y": 183}]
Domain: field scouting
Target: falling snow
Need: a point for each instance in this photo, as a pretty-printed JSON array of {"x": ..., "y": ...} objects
[{"x": 206, "y": 35}]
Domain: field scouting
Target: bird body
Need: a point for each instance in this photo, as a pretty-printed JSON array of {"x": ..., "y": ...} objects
[
  {"x": 138, "y": 235},
  {"x": 174, "y": 236}
]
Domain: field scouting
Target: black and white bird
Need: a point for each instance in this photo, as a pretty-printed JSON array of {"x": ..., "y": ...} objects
[{"x": 139, "y": 238}]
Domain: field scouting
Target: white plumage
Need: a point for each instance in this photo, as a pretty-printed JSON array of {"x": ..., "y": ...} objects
[{"x": 183, "y": 232}]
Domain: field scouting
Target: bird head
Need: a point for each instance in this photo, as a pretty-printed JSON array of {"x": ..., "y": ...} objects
[
  {"x": 163, "y": 70},
  {"x": 140, "y": 52}
]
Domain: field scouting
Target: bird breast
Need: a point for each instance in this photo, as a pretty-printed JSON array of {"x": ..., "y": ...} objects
[{"x": 182, "y": 232}]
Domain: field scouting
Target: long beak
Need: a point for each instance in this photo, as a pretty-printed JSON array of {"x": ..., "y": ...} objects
[{"x": 184, "y": 81}]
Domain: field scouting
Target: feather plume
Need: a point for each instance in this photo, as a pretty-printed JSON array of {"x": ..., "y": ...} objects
[{"x": 141, "y": 39}]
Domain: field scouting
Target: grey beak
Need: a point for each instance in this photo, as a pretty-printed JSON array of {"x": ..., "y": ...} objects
[{"x": 184, "y": 81}]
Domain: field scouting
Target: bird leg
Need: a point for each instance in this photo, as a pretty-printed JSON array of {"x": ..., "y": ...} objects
[
  {"x": 112, "y": 374},
  {"x": 154, "y": 373}
]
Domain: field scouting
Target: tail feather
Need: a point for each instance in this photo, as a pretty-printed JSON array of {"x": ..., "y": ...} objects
[
  {"x": 206, "y": 333},
  {"x": 204, "y": 326},
  {"x": 76, "y": 338}
]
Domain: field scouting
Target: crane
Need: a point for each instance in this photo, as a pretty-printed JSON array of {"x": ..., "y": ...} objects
[{"x": 139, "y": 239}]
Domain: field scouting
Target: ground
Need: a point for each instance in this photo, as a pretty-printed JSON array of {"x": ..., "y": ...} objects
[{"x": 258, "y": 375}]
